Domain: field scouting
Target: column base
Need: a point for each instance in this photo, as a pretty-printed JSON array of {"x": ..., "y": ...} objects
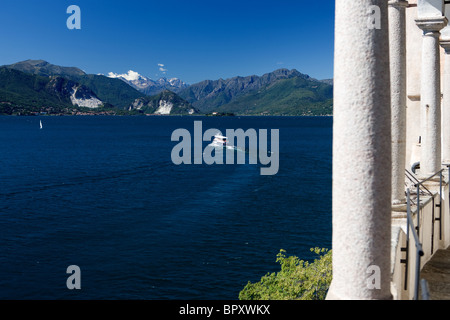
[
  {"x": 435, "y": 179},
  {"x": 333, "y": 295},
  {"x": 399, "y": 202},
  {"x": 399, "y": 210}
]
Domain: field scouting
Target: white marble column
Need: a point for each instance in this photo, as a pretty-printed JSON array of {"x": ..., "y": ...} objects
[
  {"x": 431, "y": 21},
  {"x": 397, "y": 45},
  {"x": 361, "y": 152},
  {"x": 445, "y": 43},
  {"x": 446, "y": 105}
]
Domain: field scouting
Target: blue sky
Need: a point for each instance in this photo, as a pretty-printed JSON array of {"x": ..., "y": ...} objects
[{"x": 194, "y": 40}]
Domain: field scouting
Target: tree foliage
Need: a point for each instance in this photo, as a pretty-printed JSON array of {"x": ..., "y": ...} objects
[{"x": 297, "y": 279}]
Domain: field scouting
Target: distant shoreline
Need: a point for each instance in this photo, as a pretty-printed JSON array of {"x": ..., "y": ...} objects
[{"x": 157, "y": 115}]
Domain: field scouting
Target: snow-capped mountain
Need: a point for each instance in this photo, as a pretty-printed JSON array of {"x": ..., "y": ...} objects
[{"x": 147, "y": 85}]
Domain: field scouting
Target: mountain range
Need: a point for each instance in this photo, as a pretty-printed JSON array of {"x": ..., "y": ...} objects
[
  {"x": 43, "y": 68},
  {"x": 148, "y": 86},
  {"x": 25, "y": 93},
  {"x": 35, "y": 85},
  {"x": 281, "y": 92}
]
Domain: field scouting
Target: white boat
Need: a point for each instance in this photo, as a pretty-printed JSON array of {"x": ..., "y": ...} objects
[
  {"x": 222, "y": 142},
  {"x": 219, "y": 141},
  {"x": 40, "y": 124}
]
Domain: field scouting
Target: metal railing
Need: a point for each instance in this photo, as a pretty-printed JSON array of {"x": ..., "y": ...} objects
[
  {"x": 425, "y": 290},
  {"x": 419, "y": 250},
  {"x": 415, "y": 230},
  {"x": 422, "y": 190}
]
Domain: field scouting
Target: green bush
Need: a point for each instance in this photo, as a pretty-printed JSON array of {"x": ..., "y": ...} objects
[{"x": 297, "y": 279}]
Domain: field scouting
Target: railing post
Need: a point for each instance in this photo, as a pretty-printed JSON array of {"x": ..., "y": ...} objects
[
  {"x": 418, "y": 208},
  {"x": 448, "y": 167},
  {"x": 440, "y": 205},
  {"x": 416, "y": 282},
  {"x": 425, "y": 290},
  {"x": 406, "y": 249}
]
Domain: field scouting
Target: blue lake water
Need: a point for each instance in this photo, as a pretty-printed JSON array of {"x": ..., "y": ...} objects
[{"x": 102, "y": 193}]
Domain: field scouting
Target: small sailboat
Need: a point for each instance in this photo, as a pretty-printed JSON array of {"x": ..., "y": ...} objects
[{"x": 40, "y": 124}]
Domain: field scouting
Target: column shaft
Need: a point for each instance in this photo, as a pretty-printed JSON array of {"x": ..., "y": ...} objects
[
  {"x": 446, "y": 105},
  {"x": 361, "y": 152},
  {"x": 397, "y": 44},
  {"x": 430, "y": 96}
]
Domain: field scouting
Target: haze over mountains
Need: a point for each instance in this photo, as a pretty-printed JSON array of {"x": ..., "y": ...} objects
[{"x": 37, "y": 85}]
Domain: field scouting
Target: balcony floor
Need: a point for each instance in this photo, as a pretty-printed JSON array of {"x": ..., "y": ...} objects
[{"x": 437, "y": 273}]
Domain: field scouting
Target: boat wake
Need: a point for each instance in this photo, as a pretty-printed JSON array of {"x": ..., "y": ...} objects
[
  {"x": 86, "y": 178},
  {"x": 221, "y": 142}
]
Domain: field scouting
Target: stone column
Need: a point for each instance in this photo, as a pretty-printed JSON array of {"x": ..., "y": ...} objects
[
  {"x": 430, "y": 21},
  {"x": 446, "y": 105},
  {"x": 397, "y": 45},
  {"x": 361, "y": 152},
  {"x": 445, "y": 43}
]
